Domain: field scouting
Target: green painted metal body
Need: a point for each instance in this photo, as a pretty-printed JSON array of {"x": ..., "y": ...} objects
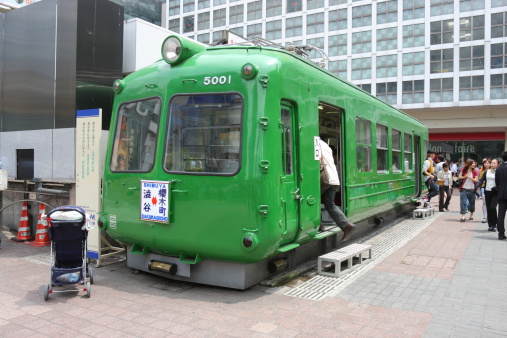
[{"x": 211, "y": 214}]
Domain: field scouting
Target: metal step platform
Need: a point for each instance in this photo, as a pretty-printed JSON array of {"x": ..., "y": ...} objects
[{"x": 346, "y": 254}]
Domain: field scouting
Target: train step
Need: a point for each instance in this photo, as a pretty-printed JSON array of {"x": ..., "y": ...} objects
[
  {"x": 422, "y": 213},
  {"x": 346, "y": 256}
]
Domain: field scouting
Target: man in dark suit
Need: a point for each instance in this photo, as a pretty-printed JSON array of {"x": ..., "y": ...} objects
[{"x": 501, "y": 184}]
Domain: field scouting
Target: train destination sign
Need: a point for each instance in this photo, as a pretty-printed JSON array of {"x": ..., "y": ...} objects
[{"x": 154, "y": 201}]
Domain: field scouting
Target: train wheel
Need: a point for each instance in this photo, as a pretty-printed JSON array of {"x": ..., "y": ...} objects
[
  {"x": 46, "y": 292},
  {"x": 88, "y": 289}
]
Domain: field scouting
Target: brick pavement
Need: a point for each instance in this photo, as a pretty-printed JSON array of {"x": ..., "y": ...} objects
[{"x": 444, "y": 282}]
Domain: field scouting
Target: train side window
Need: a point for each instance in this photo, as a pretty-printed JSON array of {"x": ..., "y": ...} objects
[
  {"x": 136, "y": 136},
  {"x": 382, "y": 167},
  {"x": 204, "y": 134},
  {"x": 407, "y": 146},
  {"x": 363, "y": 145},
  {"x": 396, "y": 150},
  {"x": 286, "y": 130}
]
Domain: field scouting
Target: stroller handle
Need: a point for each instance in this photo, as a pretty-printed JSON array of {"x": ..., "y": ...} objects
[{"x": 68, "y": 208}]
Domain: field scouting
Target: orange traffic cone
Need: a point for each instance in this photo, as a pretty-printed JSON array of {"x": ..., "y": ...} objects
[
  {"x": 41, "y": 234},
  {"x": 24, "y": 232}
]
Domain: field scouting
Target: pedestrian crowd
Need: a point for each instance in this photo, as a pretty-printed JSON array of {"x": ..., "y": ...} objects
[{"x": 488, "y": 182}]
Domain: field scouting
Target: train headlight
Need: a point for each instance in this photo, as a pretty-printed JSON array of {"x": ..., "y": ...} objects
[
  {"x": 103, "y": 223},
  {"x": 176, "y": 49},
  {"x": 249, "y": 71},
  {"x": 118, "y": 86},
  {"x": 250, "y": 241}
]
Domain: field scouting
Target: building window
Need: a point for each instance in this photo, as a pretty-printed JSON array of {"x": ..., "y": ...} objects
[
  {"x": 174, "y": 7},
  {"x": 442, "y": 32},
  {"x": 387, "y": 11},
  {"x": 387, "y": 92},
  {"x": 361, "y": 68},
  {"x": 471, "y": 88},
  {"x": 471, "y": 5},
  {"x": 219, "y": 2},
  {"x": 294, "y": 5},
  {"x": 363, "y": 145},
  {"x": 337, "y": 45},
  {"x": 188, "y": 6},
  {"x": 387, "y": 66},
  {"x": 217, "y": 37},
  {"x": 313, "y": 4},
  {"x": 188, "y": 24},
  {"x": 407, "y": 146},
  {"x": 498, "y": 25},
  {"x": 293, "y": 27},
  {"x": 441, "y": 7},
  {"x": 254, "y": 10},
  {"x": 235, "y": 14},
  {"x": 337, "y": 19},
  {"x": 361, "y": 16},
  {"x": 273, "y": 8},
  {"x": 219, "y": 17},
  {"x": 337, "y": 2},
  {"x": 204, "y": 38},
  {"x": 274, "y": 30},
  {"x": 441, "y": 60},
  {"x": 396, "y": 150},
  {"x": 499, "y": 55},
  {"x": 441, "y": 90},
  {"x": 413, "y": 9},
  {"x": 174, "y": 25},
  {"x": 498, "y": 3},
  {"x": 237, "y": 30},
  {"x": 315, "y": 23},
  {"x": 382, "y": 149},
  {"x": 201, "y": 4},
  {"x": 471, "y": 28},
  {"x": 471, "y": 58},
  {"x": 338, "y": 68},
  {"x": 498, "y": 86},
  {"x": 203, "y": 21},
  {"x": 413, "y": 35},
  {"x": 361, "y": 42},
  {"x": 413, "y": 91},
  {"x": 254, "y": 30},
  {"x": 413, "y": 63},
  {"x": 365, "y": 86},
  {"x": 387, "y": 38},
  {"x": 317, "y": 42}
]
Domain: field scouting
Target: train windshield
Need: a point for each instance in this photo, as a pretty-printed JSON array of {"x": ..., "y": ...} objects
[
  {"x": 204, "y": 134},
  {"x": 136, "y": 136}
]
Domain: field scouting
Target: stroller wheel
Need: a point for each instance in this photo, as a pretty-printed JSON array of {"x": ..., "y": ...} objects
[
  {"x": 88, "y": 287},
  {"x": 46, "y": 292},
  {"x": 90, "y": 274}
]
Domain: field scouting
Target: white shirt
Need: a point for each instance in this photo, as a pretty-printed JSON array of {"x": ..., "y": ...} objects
[
  {"x": 329, "y": 166},
  {"x": 426, "y": 166},
  {"x": 490, "y": 180},
  {"x": 439, "y": 167},
  {"x": 454, "y": 168}
]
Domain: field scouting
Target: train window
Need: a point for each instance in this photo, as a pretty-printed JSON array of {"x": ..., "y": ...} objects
[
  {"x": 396, "y": 146},
  {"x": 204, "y": 134},
  {"x": 407, "y": 146},
  {"x": 136, "y": 136},
  {"x": 286, "y": 126},
  {"x": 363, "y": 145},
  {"x": 382, "y": 149}
]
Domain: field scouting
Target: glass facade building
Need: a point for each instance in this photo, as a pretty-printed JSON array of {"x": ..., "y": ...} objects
[{"x": 435, "y": 56}]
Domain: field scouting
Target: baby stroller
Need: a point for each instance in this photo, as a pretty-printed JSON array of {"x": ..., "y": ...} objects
[{"x": 68, "y": 229}]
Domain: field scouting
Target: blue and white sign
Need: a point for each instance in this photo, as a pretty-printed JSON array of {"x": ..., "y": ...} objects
[{"x": 155, "y": 201}]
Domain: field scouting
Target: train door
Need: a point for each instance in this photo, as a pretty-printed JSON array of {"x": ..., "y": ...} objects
[
  {"x": 290, "y": 195},
  {"x": 417, "y": 165},
  {"x": 330, "y": 131}
]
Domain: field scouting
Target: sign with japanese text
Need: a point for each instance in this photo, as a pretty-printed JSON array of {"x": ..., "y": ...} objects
[
  {"x": 88, "y": 157},
  {"x": 154, "y": 201}
]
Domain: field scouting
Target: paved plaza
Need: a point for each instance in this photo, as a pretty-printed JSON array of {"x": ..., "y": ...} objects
[{"x": 436, "y": 277}]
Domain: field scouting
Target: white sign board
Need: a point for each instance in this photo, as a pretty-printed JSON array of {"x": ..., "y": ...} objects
[{"x": 154, "y": 201}]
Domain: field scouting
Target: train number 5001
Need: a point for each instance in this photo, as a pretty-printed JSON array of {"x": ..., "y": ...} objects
[{"x": 215, "y": 80}]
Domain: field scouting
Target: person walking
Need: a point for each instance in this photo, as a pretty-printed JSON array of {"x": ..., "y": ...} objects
[
  {"x": 490, "y": 194},
  {"x": 501, "y": 184},
  {"x": 444, "y": 180},
  {"x": 469, "y": 175},
  {"x": 428, "y": 170},
  {"x": 486, "y": 165},
  {"x": 327, "y": 195}
]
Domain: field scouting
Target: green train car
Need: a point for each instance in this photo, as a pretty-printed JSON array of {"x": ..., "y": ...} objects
[{"x": 212, "y": 169}]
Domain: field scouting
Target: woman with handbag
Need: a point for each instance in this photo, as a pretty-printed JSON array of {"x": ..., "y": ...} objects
[
  {"x": 469, "y": 175},
  {"x": 444, "y": 180},
  {"x": 490, "y": 194}
]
